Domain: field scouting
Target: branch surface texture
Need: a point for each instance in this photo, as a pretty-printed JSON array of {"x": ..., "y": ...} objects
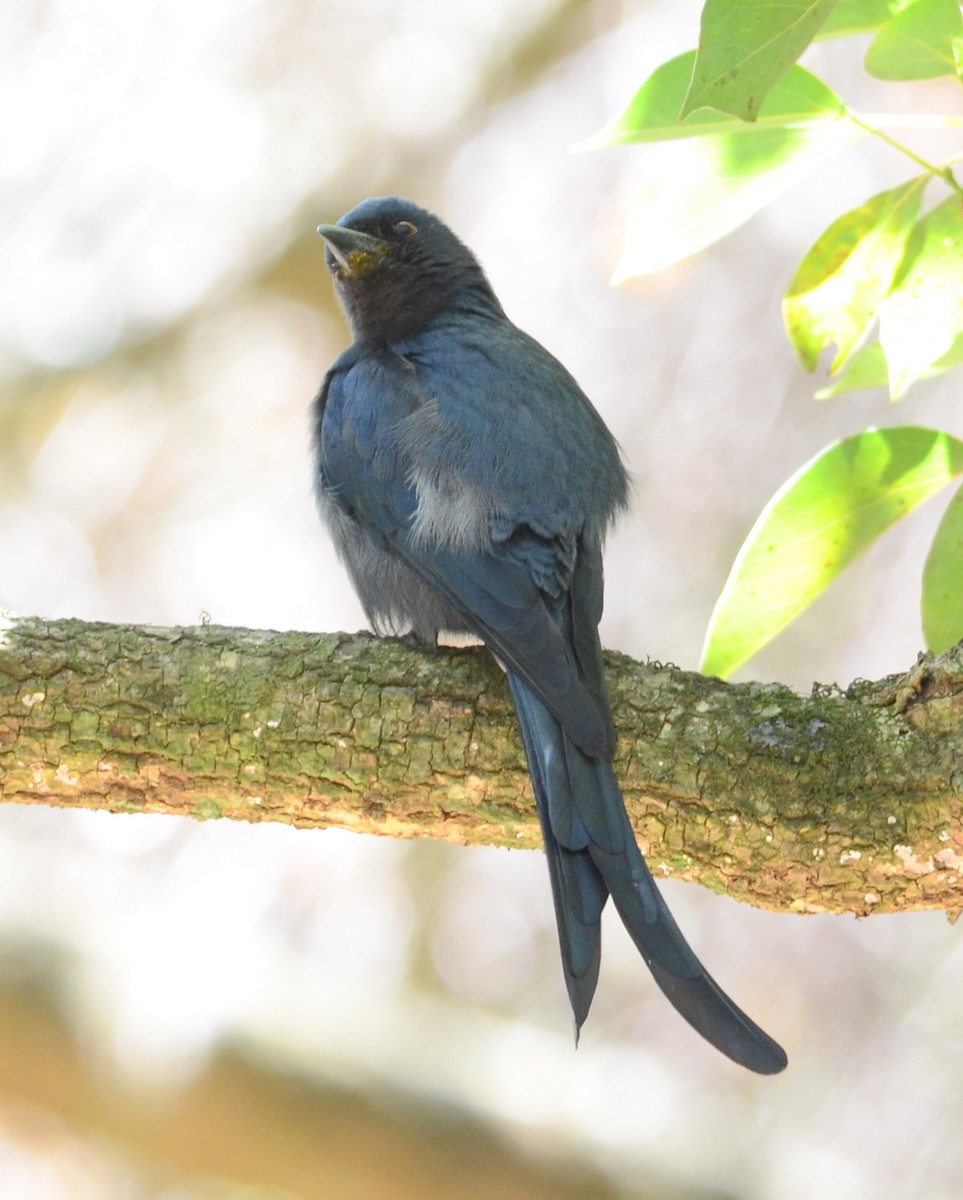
[{"x": 842, "y": 801}]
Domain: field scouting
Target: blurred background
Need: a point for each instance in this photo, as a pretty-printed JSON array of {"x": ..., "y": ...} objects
[{"x": 220, "y": 1011}]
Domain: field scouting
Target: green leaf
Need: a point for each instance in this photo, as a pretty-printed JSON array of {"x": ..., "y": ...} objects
[
  {"x": 858, "y": 16},
  {"x": 653, "y": 113},
  {"x": 724, "y": 170},
  {"x": 698, "y": 192},
  {"x": 745, "y": 47},
  {"x": 839, "y": 284},
  {"x": 830, "y": 511},
  {"x": 867, "y": 369},
  {"x": 942, "y": 601},
  {"x": 923, "y": 314},
  {"x": 917, "y": 43}
]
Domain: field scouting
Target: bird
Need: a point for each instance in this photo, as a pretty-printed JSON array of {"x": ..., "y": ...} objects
[{"x": 468, "y": 484}]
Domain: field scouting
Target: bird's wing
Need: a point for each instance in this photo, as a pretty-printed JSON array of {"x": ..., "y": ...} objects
[{"x": 493, "y": 587}]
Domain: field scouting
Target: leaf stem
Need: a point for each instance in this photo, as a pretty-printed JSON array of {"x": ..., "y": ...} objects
[
  {"x": 910, "y": 120},
  {"x": 942, "y": 172}
]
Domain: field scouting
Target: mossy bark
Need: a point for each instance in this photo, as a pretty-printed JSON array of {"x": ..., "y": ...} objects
[{"x": 842, "y": 801}]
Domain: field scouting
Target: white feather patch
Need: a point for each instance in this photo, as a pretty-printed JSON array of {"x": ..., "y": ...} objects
[{"x": 450, "y": 518}]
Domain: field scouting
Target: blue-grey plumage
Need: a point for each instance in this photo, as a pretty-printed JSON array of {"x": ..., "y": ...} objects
[{"x": 468, "y": 484}]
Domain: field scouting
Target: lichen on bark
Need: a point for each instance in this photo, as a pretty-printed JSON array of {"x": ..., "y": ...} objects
[{"x": 838, "y": 801}]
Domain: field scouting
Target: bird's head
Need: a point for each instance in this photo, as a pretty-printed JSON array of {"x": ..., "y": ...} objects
[{"x": 398, "y": 268}]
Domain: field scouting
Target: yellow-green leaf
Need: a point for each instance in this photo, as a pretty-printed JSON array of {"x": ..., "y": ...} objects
[
  {"x": 923, "y": 314},
  {"x": 652, "y": 115},
  {"x": 745, "y": 47},
  {"x": 858, "y": 16},
  {"x": 839, "y": 284},
  {"x": 719, "y": 171},
  {"x": 830, "y": 511},
  {"x": 917, "y": 43},
  {"x": 867, "y": 369},
  {"x": 697, "y": 192},
  {"x": 942, "y": 601}
]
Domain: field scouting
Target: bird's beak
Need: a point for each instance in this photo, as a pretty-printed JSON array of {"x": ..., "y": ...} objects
[{"x": 351, "y": 252}]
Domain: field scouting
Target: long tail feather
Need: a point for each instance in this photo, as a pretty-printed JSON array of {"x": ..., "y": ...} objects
[
  {"x": 592, "y": 852},
  {"x": 578, "y": 890}
]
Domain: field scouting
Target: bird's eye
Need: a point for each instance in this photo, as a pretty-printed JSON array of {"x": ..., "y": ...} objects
[{"x": 404, "y": 228}]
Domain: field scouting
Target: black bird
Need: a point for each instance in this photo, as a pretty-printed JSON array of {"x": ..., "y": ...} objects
[{"x": 468, "y": 484}]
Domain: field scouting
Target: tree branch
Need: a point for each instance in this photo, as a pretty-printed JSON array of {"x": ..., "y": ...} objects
[{"x": 841, "y": 801}]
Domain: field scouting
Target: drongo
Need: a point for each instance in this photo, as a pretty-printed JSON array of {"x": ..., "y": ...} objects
[{"x": 468, "y": 484}]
